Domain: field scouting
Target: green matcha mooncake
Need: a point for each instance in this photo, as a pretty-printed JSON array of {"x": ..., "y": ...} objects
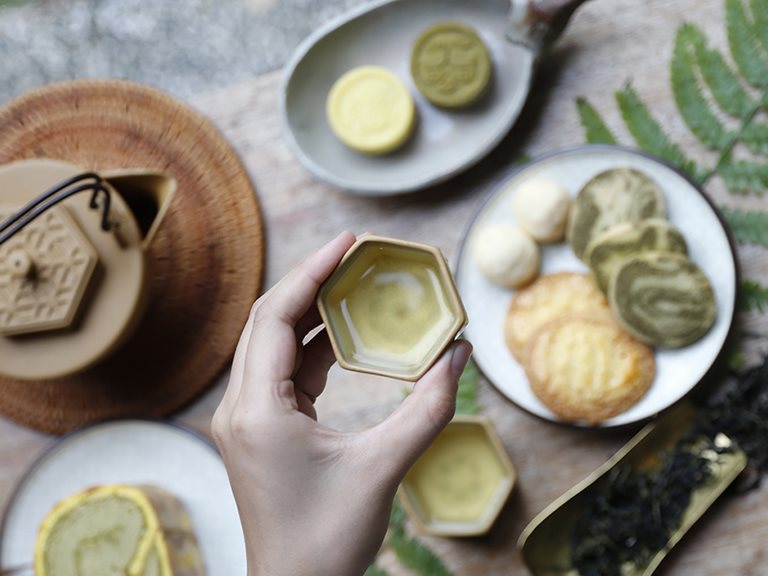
[
  {"x": 606, "y": 252},
  {"x": 663, "y": 299},
  {"x": 610, "y": 198},
  {"x": 450, "y": 65}
]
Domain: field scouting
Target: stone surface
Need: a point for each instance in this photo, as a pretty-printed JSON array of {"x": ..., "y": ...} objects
[{"x": 186, "y": 47}]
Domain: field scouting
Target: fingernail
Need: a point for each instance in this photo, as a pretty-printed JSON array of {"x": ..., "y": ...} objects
[{"x": 461, "y": 352}]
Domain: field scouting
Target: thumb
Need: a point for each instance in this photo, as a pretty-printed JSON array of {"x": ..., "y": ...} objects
[{"x": 407, "y": 433}]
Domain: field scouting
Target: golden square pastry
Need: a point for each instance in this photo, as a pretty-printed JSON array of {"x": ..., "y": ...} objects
[
  {"x": 547, "y": 298},
  {"x": 587, "y": 369}
]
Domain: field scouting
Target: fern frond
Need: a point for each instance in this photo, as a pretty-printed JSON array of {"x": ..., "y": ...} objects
[
  {"x": 374, "y": 571},
  {"x": 755, "y": 136},
  {"x": 595, "y": 129},
  {"x": 466, "y": 396},
  {"x": 742, "y": 176},
  {"x": 688, "y": 95},
  {"x": 648, "y": 133},
  {"x": 721, "y": 80},
  {"x": 760, "y": 14},
  {"x": 748, "y": 227},
  {"x": 745, "y": 46},
  {"x": 754, "y": 297}
]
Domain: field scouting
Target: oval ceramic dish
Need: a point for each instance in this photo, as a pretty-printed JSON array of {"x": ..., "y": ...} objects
[
  {"x": 444, "y": 142},
  {"x": 678, "y": 370},
  {"x": 131, "y": 452}
]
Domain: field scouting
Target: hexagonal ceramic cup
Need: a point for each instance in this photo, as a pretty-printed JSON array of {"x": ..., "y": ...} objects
[
  {"x": 391, "y": 307},
  {"x": 461, "y": 483}
]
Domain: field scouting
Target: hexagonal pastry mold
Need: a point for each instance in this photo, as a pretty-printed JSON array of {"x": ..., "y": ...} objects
[
  {"x": 391, "y": 307},
  {"x": 460, "y": 484}
]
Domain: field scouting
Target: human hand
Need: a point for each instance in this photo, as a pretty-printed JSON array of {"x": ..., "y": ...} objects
[{"x": 313, "y": 500}]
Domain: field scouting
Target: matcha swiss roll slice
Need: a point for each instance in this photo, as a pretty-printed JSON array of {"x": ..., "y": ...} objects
[
  {"x": 610, "y": 198},
  {"x": 118, "y": 530},
  {"x": 663, "y": 299},
  {"x": 606, "y": 252}
]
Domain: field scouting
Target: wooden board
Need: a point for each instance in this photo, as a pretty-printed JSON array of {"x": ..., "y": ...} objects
[{"x": 608, "y": 43}]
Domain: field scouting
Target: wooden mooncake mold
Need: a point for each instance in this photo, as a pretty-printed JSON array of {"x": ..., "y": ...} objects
[
  {"x": 547, "y": 298},
  {"x": 586, "y": 368},
  {"x": 663, "y": 299},
  {"x": 605, "y": 253},
  {"x": 610, "y": 198}
]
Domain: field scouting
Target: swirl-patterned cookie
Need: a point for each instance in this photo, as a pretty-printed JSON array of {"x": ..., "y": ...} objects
[
  {"x": 587, "y": 369},
  {"x": 663, "y": 299},
  {"x": 547, "y": 298},
  {"x": 606, "y": 252},
  {"x": 610, "y": 198}
]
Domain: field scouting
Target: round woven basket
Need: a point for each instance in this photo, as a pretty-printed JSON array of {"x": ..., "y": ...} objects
[{"x": 205, "y": 263}]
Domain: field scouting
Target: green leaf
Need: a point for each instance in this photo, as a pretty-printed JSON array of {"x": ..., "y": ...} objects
[
  {"x": 754, "y": 297},
  {"x": 760, "y": 14},
  {"x": 690, "y": 100},
  {"x": 418, "y": 557},
  {"x": 374, "y": 571},
  {"x": 721, "y": 80},
  {"x": 743, "y": 177},
  {"x": 745, "y": 46},
  {"x": 648, "y": 133},
  {"x": 466, "y": 397},
  {"x": 755, "y": 137},
  {"x": 410, "y": 551},
  {"x": 595, "y": 129},
  {"x": 748, "y": 227}
]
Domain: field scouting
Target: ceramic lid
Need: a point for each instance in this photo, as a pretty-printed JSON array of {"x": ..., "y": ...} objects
[{"x": 69, "y": 291}]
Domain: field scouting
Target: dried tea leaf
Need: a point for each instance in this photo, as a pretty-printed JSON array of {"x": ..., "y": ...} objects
[{"x": 595, "y": 128}]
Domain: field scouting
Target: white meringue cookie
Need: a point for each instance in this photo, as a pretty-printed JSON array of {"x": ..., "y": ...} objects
[
  {"x": 506, "y": 255},
  {"x": 541, "y": 208}
]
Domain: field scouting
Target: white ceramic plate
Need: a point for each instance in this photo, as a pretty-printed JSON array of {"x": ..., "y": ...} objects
[
  {"x": 132, "y": 452},
  {"x": 677, "y": 371}
]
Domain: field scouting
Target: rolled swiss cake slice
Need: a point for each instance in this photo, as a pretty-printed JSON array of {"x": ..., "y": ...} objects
[
  {"x": 118, "y": 530},
  {"x": 611, "y": 198},
  {"x": 663, "y": 299},
  {"x": 606, "y": 252}
]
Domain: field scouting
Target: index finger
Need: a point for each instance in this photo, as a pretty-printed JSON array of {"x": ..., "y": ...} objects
[{"x": 271, "y": 351}]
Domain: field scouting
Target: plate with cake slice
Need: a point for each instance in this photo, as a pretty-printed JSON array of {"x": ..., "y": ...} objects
[
  {"x": 126, "y": 494},
  {"x": 600, "y": 283}
]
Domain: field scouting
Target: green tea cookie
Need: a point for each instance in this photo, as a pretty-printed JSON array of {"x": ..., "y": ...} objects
[
  {"x": 663, "y": 299},
  {"x": 610, "y": 198},
  {"x": 605, "y": 253},
  {"x": 450, "y": 65}
]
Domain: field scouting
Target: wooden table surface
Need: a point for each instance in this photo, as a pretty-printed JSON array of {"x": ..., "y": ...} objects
[{"x": 609, "y": 43}]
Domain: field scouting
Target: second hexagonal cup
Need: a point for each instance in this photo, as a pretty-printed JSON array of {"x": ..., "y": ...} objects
[{"x": 391, "y": 307}]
